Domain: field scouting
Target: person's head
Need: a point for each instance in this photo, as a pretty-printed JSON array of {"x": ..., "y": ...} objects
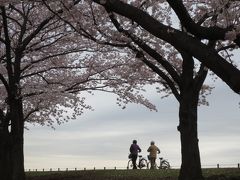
[
  {"x": 152, "y": 142},
  {"x": 134, "y": 141}
]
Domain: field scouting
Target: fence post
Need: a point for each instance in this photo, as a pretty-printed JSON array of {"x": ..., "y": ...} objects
[
  {"x": 75, "y": 169},
  {"x": 115, "y": 168},
  {"x": 66, "y": 169},
  {"x": 36, "y": 170},
  {"x": 43, "y": 169},
  {"x": 104, "y": 168},
  {"x": 94, "y": 168},
  {"x": 58, "y": 169},
  {"x": 84, "y": 169},
  {"x": 238, "y": 165},
  {"x": 50, "y": 169},
  {"x": 217, "y": 165}
]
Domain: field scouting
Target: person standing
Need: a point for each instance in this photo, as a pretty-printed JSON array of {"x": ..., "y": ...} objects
[
  {"x": 153, "y": 150},
  {"x": 134, "y": 150}
]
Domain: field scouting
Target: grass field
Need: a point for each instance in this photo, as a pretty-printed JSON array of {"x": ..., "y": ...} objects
[{"x": 172, "y": 174}]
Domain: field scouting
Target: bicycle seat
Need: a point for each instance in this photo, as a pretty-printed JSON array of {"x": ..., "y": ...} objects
[
  {"x": 161, "y": 158},
  {"x": 140, "y": 156}
]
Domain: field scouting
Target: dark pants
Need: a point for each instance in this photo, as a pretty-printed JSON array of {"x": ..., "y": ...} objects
[
  {"x": 134, "y": 160},
  {"x": 153, "y": 162}
]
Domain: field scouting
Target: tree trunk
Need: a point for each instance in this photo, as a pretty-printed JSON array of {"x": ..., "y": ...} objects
[
  {"x": 5, "y": 155},
  {"x": 11, "y": 144},
  {"x": 18, "y": 159},
  {"x": 17, "y": 130},
  {"x": 11, "y": 158},
  {"x": 191, "y": 165}
]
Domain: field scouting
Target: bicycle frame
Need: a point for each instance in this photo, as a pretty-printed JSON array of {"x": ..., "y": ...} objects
[
  {"x": 164, "y": 164},
  {"x": 142, "y": 163}
]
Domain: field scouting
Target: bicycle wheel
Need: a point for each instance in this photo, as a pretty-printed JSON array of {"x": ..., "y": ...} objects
[
  {"x": 130, "y": 164},
  {"x": 148, "y": 165},
  {"x": 143, "y": 164},
  {"x": 165, "y": 165}
]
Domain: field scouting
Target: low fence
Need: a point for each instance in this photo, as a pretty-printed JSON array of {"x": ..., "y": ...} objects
[
  {"x": 74, "y": 169},
  {"x": 124, "y": 168}
]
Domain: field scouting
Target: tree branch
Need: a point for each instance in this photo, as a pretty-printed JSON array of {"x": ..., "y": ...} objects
[
  {"x": 155, "y": 69},
  {"x": 210, "y": 33},
  {"x": 180, "y": 40},
  {"x": 5, "y": 83},
  {"x": 8, "y": 45},
  {"x": 154, "y": 54}
]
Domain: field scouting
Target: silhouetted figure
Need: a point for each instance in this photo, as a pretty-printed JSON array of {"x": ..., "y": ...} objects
[
  {"x": 153, "y": 150},
  {"x": 134, "y": 149}
]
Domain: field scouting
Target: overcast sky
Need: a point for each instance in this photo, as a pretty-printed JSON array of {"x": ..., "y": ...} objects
[{"x": 101, "y": 138}]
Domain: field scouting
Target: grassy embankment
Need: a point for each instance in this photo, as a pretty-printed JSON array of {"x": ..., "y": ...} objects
[{"x": 211, "y": 174}]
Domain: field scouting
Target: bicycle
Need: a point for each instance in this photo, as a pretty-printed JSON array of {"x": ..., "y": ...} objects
[
  {"x": 164, "y": 164},
  {"x": 142, "y": 163}
]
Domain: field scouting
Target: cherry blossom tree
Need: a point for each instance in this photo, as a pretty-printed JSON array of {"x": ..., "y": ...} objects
[
  {"x": 44, "y": 68},
  {"x": 208, "y": 28},
  {"x": 179, "y": 76},
  {"x": 226, "y": 28},
  {"x": 203, "y": 37},
  {"x": 179, "y": 73}
]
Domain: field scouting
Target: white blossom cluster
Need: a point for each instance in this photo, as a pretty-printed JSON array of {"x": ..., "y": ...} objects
[
  {"x": 222, "y": 13},
  {"x": 67, "y": 57},
  {"x": 79, "y": 49}
]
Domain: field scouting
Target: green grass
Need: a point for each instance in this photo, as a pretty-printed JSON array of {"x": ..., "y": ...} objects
[
  {"x": 125, "y": 173},
  {"x": 171, "y": 174},
  {"x": 228, "y": 172}
]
